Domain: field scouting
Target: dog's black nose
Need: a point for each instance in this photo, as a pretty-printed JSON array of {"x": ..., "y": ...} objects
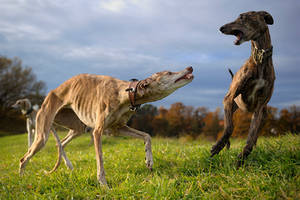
[
  {"x": 222, "y": 29},
  {"x": 190, "y": 69}
]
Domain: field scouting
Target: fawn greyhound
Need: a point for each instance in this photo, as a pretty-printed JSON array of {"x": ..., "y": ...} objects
[
  {"x": 252, "y": 86},
  {"x": 105, "y": 104},
  {"x": 65, "y": 118}
]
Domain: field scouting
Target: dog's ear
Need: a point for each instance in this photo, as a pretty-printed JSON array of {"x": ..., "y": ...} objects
[
  {"x": 145, "y": 83},
  {"x": 267, "y": 16}
]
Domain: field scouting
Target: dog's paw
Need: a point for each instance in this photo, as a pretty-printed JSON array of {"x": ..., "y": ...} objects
[
  {"x": 228, "y": 144},
  {"x": 149, "y": 158},
  {"x": 21, "y": 168},
  {"x": 103, "y": 182},
  {"x": 21, "y": 172},
  {"x": 69, "y": 164},
  {"x": 217, "y": 148},
  {"x": 239, "y": 163},
  {"x": 149, "y": 163}
]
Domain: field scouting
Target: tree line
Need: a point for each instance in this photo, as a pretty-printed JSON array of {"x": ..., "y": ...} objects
[
  {"x": 18, "y": 82},
  {"x": 180, "y": 120}
]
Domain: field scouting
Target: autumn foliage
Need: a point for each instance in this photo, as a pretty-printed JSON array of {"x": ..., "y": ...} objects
[{"x": 180, "y": 120}]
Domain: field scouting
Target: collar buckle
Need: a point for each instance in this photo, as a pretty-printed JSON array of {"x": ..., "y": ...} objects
[{"x": 259, "y": 55}]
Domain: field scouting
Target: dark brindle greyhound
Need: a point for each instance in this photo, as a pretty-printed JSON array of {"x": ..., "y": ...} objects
[{"x": 252, "y": 86}]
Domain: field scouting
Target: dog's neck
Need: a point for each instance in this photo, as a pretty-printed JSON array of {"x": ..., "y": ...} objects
[
  {"x": 261, "y": 48},
  {"x": 132, "y": 92},
  {"x": 27, "y": 112}
]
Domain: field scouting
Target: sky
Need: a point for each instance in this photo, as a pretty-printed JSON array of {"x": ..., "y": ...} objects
[{"x": 136, "y": 38}]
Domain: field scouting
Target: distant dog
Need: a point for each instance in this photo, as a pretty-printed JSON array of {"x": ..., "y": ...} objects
[
  {"x": 65, "y": 118},
  {"x": 30, "y": 113},
  {"x": 252, "y": 86},
  {"x": 105, "y": 104}
]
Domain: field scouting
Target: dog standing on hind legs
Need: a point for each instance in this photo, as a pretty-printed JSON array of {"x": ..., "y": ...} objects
[
  {"x": 105, "y": 104},
  {"x": 252, "y": 86}
]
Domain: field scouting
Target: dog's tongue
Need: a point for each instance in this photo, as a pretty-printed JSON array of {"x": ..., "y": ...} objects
[{"x": 238, "y": 38}]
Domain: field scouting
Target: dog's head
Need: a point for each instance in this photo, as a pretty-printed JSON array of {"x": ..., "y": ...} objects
[
  {"x": 162, "y": 84},
  {"x": 248, "y": 26},
  {"x": 23, "y": 104}
]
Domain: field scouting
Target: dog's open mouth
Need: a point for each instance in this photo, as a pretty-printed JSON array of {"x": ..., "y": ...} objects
[
  {"x": 187, "y": 76},
  {"x": 239, "y": 36}
]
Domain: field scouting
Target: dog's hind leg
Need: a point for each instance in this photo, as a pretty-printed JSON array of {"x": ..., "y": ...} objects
[
  {"x": 229, "y": 108},
  {"x": 147, "y": 140},
  {"x": 44, "y": 121},
  {"x": 92, "y": 139},
  {"x": 61, "y": 153},
  {"x": 257, "y": 123},
  {"x": 69, "y": 137}
]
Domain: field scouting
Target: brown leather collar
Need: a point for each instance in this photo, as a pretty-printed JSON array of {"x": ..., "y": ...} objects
[{"x": 132, "y": 90}]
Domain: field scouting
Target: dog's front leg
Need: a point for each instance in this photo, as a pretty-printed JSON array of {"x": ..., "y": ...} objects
[
  {"x": 97, "y": 133},
  {"x": 257, "y": 123},
  {"x": 127, "y": 131}
]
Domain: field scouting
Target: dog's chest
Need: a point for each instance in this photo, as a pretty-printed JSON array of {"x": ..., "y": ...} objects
[
  {"x": 119, "y": 118},
  {"x": 31, "y": 120}
]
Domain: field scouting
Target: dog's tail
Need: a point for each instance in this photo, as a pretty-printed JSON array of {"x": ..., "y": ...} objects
[
  {"x": 59, "y": 150},
  {"x": 232, "y": 75}
]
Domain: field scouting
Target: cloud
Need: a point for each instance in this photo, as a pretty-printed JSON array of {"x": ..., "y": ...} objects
[
  {"x": 17, "y": 32},
  {"x": 113, "y": 5},
  {"x": 98, "y": 53},
  {"x": 135, "y": 38}
]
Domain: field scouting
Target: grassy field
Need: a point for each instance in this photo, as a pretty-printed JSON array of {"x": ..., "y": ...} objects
[{"x": 182, "y": 170}]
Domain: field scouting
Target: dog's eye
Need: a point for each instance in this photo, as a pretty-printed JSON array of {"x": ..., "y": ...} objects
[{"x": 242, "y": 17}]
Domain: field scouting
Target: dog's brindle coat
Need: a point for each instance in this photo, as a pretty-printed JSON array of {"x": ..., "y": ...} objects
[
  {"x": 102, "y": 102},
  {"x": 252, "y": 86}
]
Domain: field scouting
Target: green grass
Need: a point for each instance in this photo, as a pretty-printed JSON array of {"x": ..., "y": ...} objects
[{"x": 182, "y": 170}]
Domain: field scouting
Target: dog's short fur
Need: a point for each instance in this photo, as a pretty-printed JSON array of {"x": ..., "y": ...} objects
[
  {"x": 252, "y": 86},
  {"x": 103, "y": 103},
  {"x": 65, "y": 117},
  {"x": 29, "y": 112}
]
